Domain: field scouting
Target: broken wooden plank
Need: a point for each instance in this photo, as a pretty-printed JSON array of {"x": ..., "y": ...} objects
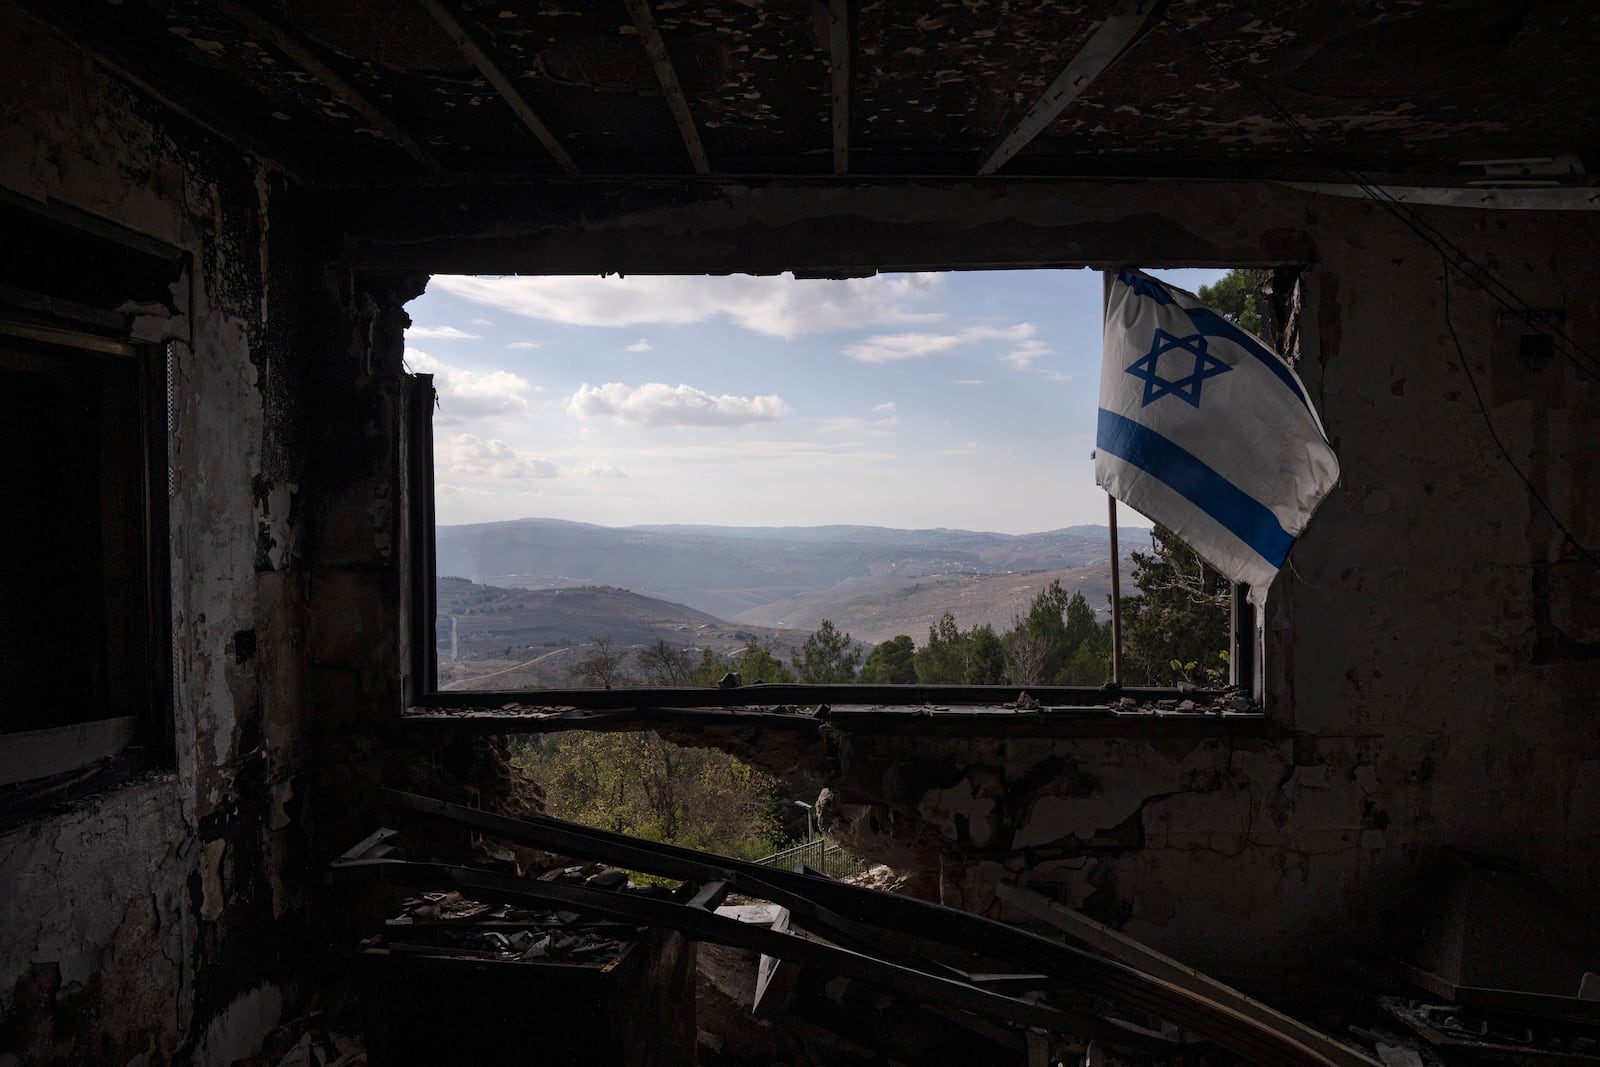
[
  {"x": 709, "y": 895},
  {"x": 1577, "y": 1009},
  {"x": 519, "y": 105},
  {"x": 645, "y": 22},
  {"x": 1122, "y": 29},
  {"x": 708, "y": 926},
  {"x": 820, "y": 903},
  {"x": 775, "y": 980},
  {"x": 1124, "y": 949}
]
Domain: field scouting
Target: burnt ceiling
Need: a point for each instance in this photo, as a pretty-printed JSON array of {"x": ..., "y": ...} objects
[{"x": 364, "y": 90}]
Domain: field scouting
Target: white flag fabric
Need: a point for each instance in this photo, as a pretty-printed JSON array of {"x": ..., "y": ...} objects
[{"x": 1206, "y": 430}]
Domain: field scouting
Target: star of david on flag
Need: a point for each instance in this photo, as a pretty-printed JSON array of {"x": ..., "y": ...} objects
[
  {"x": 1206, "y": 430},
  {"x": 1186, "y": 388}
]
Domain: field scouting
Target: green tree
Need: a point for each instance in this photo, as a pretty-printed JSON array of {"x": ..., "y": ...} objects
[
  {"x": 639, "y": 784},
  {"x": 956, "y": 657},
  {"x": 827, "y": 657},
  {"x": 1089, "y": 641},
  {"x": 1045, "y": 627},
  {"x": 1235, "y": 297},
  {"x": 985, "y": 656},
  {"x": 891, "y": 663},
  {"x": 756, "y": 663},
  {"x": 942, "y": 660},
  {"x": 709, "y": 669},
  {"x": 1176, "y": 627}
]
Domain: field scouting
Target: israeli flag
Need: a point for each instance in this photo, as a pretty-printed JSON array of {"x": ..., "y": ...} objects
[{"x": 1206, "y": 430}]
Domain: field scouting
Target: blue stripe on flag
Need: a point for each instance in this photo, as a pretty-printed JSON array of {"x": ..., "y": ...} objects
[
  {"x": 1143, "y": 286},
  {"x": 1209, "y": 324},
  {"x": 1237, "y": 511}
]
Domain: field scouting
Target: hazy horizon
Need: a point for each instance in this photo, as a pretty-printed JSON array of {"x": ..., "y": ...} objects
[{"x": 1127, "y": 518}]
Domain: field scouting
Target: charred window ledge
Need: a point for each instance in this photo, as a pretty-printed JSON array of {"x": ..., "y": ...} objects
[{"x": 938, "y": 710}]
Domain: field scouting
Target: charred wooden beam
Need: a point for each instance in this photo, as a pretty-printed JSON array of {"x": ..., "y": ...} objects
[
  {"x": 695, "y": 225},
  {"x": 834, "y": 17},
  {"x": 347, "y": 94},
  {"x": 916, "y": 921},
  {"x": 512, "y": 717},
  {"x": 1086, "y": 933},
  {"x": 770, "y": 695},
  {"x": 502, "y": 84},
  {"x": 645, "y": 22},
  {"x": 702, "y": 925},
  {"x": 1122, "y": 29},
  {"x": 160, "y": 82}
]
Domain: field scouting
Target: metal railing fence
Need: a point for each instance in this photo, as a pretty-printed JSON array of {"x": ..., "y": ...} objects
[{"x": 820, "y": 855}]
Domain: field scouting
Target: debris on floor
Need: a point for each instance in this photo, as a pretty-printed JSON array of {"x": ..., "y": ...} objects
[{"x": 850, "y": 974}]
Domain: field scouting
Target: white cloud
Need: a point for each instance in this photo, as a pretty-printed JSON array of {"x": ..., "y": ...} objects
[
  {"x": 1057, "y": 376},
  {"x": 468, "y": 456},
  {"x": 969, "y": 381},
  {"x": 777, "y": 306},
  {"x": 1020, "y": 332},
  {"x": 1023, "y": 356},
  {"x": 641, "y": 345},
  {"x": 1026, "y": 349},
  {"x": 523, "y": 344},
  {"x": 480, "y": 322},
  {"x": 447, "y": 333},
  {"x": 465, "y": 394},
  {"x": 881, "y": 426},
  {"x": 889, "y": 348},
  {"x": 968, "y": 449},
  {"x": 658, "y": 404}
]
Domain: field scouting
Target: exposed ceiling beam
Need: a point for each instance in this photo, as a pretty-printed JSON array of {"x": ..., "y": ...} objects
[
  {"x": 645, "y": 22},
  {"x": 1122, "y": 29},
  {"x": 502, "y": 84},
  {"x": 347, "y": 94},
  {"x": 837, "y": 16}
]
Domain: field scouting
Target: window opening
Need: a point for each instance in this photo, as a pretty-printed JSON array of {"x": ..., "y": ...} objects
[
  {"x": 83, "y": 632},
  {"x": 703, "y": 482}
]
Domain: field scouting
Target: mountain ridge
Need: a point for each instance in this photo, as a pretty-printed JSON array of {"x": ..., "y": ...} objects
[{"x": 730, "y": 570}]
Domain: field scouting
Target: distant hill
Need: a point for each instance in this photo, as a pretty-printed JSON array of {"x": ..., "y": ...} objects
[
  {"x": 535, "y": 636},
  {"x": 876, "y": 609},
  {"x": 729, "y": 571}
]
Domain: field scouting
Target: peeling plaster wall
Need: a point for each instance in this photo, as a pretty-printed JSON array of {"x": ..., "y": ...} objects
[
  {"x": 165, "y": 917},
  {"x": 1432, "y": 656}
]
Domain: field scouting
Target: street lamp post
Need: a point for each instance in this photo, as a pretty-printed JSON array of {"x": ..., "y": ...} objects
[{"x": 811, "y": 832}]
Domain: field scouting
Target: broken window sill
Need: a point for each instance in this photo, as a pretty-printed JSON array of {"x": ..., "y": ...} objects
[{"x": 515, "y": 716}]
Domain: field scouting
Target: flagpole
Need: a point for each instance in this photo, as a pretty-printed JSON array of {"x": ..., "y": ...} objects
[{"x": 1116, "y": 599}]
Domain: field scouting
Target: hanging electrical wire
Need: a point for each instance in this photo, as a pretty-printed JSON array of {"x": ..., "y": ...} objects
[
  {"x": 1501, "y": 292},
  {"x": 1451, "y": 256}
]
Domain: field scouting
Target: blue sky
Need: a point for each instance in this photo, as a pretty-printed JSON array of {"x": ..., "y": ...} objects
[{"x": 962, "y": 399}]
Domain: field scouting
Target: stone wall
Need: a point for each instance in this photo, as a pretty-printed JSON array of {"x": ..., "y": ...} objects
[{"x": 170, "y": 916}]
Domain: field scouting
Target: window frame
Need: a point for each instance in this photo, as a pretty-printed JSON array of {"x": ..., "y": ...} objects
[
  {"x": 424, "y": 697},
  {"x": 70, "y": 747}
]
